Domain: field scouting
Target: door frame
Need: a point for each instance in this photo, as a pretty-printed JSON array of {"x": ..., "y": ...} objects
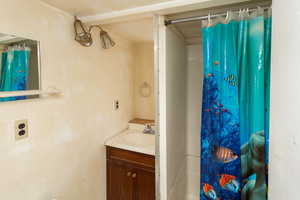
[{"x": 160, "y": 98}]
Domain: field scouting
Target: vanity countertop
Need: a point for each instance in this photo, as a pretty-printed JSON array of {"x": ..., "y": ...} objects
[{"x": 133, "y": 140}]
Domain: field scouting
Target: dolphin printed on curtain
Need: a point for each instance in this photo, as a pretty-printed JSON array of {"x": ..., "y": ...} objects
[{"x": 235, "y": 110}]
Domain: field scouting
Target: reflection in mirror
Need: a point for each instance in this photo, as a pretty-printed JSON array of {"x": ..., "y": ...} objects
[{"x": 19, "y": 65}]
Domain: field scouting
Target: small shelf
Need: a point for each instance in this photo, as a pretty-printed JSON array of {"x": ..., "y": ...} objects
[{"x": 48, "y": 92}]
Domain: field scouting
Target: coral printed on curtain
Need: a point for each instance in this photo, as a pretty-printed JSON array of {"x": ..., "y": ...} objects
[{"x": 235, "y": 110}]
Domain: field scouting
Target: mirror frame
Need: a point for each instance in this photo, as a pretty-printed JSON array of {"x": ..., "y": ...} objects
[{"x": 27, "y": 93}]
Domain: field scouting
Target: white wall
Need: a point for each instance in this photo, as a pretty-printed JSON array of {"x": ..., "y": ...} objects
[
  {"x": 193, "y": 117},
  {"x": 194, "y": 98},
  {"x": 64, "y": 156},
  {"x": 285, "y": 101},
  {"x": 144, "y": 107},
  {"x": 175, "y": 113}
]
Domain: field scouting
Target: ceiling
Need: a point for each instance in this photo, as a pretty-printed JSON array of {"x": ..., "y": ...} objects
[
  {"x": 135, "y": 31},
  {"x": 92, "y": 7}
]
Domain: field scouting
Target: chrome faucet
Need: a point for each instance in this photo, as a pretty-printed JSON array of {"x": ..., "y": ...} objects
[{"x": 148, "y": 129}]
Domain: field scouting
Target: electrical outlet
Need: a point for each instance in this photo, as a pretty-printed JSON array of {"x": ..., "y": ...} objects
[
  {"x": 21, "y": 129},
  {"x": 116, "y": 104}
]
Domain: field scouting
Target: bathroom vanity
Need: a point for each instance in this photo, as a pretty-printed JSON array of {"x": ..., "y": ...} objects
[
  {"x": 130, "y": 175},
  {"x": 130, "y": 159}
]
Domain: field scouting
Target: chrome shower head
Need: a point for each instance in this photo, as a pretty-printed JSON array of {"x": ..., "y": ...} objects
[{"x": 106, "y": 40}]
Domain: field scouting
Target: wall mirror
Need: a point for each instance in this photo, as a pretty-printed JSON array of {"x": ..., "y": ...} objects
[{"x": 19, "y": 67}]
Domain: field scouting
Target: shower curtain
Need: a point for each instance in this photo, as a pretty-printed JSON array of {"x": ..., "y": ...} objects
[
  {"x": 235, "y": 110},
  {"x": 14, "y": 70}
]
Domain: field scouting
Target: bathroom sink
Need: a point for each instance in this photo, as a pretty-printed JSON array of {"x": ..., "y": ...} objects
[{"x": 133, "y": 140}]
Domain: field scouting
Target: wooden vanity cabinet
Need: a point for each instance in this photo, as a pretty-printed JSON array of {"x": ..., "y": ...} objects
[{"x": 130, "y": 175}]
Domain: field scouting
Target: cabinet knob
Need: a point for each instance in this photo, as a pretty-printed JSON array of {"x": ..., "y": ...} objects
[
  {"x": 128, "y": 173},
  {"x": 133, "y": 175}
]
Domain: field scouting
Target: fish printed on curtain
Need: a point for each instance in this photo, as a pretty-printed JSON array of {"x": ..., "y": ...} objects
[{"x": 235, "y": 108}]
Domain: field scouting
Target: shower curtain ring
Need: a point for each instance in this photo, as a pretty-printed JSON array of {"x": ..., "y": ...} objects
[
  {"x": 227, "y": 16},
  {"x": 209, "y": 19}
]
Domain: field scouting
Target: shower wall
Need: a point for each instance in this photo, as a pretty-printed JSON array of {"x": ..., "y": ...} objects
[
  {"x": 183, "y": 111},
  {"x": 175, "y": 109},
  {"x": 193, "y": 117}
]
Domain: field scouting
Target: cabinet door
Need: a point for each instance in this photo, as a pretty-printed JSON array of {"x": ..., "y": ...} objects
[
  {"x": 144, "y": 184},
  {"x": 119, "y": 181}
]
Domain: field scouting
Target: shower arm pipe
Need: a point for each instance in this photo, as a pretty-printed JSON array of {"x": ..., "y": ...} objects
[
  {"x": 204, "y": 17},
  {"x": 49, "y": 92},
  {"x": 95, "y": 26}
]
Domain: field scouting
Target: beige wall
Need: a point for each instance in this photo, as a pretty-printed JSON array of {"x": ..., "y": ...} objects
[
  {"x": 144, "y": 107},
  {"x": 64, "y": 156}
]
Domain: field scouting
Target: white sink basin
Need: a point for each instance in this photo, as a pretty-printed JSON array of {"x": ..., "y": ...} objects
[{"x": 133, "y": 140}]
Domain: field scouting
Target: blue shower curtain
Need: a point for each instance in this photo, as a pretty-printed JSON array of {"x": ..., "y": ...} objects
[
  {"x": 235, "y": 110},
  {"x": 14, "y": 71}
]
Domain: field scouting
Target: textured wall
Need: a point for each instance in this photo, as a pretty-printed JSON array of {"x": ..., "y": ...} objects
[
  {"x": 64, "y": 156},
  {"x": 144, "y": 107}
]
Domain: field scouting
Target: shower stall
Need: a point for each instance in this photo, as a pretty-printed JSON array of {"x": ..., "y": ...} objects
[{"x": 179, "y": 68}]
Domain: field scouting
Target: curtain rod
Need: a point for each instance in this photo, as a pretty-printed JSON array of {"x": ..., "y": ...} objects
[{"x": 203, "y": 17}]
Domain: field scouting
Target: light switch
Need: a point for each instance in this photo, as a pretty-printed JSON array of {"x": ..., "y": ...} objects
[{"x": 21, "y": 129}]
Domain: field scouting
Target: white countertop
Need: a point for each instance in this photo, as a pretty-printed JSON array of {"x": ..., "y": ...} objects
[{"x": 133, "y": 140}]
